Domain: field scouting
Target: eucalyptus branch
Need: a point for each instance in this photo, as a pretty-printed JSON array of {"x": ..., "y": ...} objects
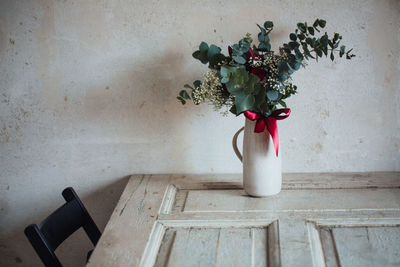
[{"x": 253, "y": 77}]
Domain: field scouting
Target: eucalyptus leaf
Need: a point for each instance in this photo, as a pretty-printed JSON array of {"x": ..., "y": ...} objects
[
  {"x": 301, "y": 27},
  {"x": 260, "y": 95},
  {"x": 249, "y": 85},
  {"x": 272, "y": 95},
  {"x": 215, "y": 59},
  {"x": 244, "y": 102},
  {"x": 301, "y": 36},
  {"x": 322, "y": 23},
  {"x": 316, "y": 23},
  {"x": 181, "y": 99},
  {"x": 184, "y": 94},
  {"x": 264, "y": 47},
  {"x": 196, "y": 54},
  {"x": 342, "y": 50},
  {"x": 203, "y": 46},
  {"x": 196, "y": 83},
  {"x": 263, "y": 38},
  {"x": 233, "y": 110},
  {"x": 213, "y": 50},
  {"x": 262, "y": 29},
  {"x": 268, "y": 24},
  {"x": 239, "y": 59},
  {"x": 237, "y": 80}
]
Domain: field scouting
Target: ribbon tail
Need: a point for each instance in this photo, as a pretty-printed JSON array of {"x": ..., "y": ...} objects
[
  {"x": 260, "y": 126},
  {"x": 272, "y": 127}
]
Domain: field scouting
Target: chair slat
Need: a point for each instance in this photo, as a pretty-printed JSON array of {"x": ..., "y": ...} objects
[{"x": 59, "y": 225}]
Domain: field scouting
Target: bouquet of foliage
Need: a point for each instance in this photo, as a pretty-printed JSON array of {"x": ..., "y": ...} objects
[{"x": 255, "y": 80}]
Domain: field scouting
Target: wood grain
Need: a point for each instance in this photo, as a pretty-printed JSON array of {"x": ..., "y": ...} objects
[{"x": 207, "y": 220}]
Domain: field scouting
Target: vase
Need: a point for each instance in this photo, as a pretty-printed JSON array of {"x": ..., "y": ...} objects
[{"x": 262, "y": 168}]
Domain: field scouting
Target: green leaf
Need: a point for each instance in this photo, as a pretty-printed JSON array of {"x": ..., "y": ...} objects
[
  {"x": 324, "y": 40},
  {"x": 244, "y": 102},
  {"x": 299, "y": 55},
  {"x": 181, "y": 99},
  {"x": 196, "y": 83},
  {"x": 264, "y": 47},
  {"x": 249, "y": 85},
  {"x": 272, "y": 95},
  {"x": 322, "y": 23},
  {"x": 233, "y": 110},
  {"x": 224, "y": 80},
  {"x": 213, "y": 50},
  {"x": 237, "y": 80},
  {"x": 203, "y": 59},
  {"x": 268, "y": 24},
  {"x": 244, "y": 47},
  {"x": 342, "y": 50},
  {"x": 224, "y": 71},
  {"x": 319, "y": 52},
  {"x": 263, "y": 38},
  {"x": 293, "y": 37},
  {"x": 316, "y": 23},
  {"x": 335, "y": 45},
  {"x": 188, "y": 86},
  {"x": 336, "y": 37},
  {"x": 330, "y": 43},
  {"x": 239, "y": 59},
  {"x": 184, "y": 94},
  {"x": 203, "y": 46},
  {"x": 201, "y": 55},
  {"x": 282, "y": 66},
  {"x": 332, "y": 56},
  {"x": 283, "y": 104},
  {"x": 248, "y": 38},
  {"x": 311, "y": 30},
  {"x": 260, "y": 95},
  {"x": 257, "y": 88},
  {"x": 348, "y": 55},
  {"x": 293, "y": 45},
  {"x": 301, "y": 36},
  {"x": 325, "y": 50},
  {"x": 215, "y": 59},
  {"x": 301, "y": 27},
  {"x": 196, "y": 54},
  {"x": 262, "y": 29},
  {"x": 297, "y": 66}
]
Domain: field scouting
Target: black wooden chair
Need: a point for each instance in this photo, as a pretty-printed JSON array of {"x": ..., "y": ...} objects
[{"x": 57, "y": 227}]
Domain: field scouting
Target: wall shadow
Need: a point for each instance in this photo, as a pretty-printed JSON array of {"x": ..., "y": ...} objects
[{"x": 16, "y": 250}]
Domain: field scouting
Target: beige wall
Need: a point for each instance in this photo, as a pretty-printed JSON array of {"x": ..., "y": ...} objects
[{"x": 87, "y": 97}]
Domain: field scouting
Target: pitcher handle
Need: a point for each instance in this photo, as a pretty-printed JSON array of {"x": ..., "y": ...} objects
[{"x": 234, "y": 144}]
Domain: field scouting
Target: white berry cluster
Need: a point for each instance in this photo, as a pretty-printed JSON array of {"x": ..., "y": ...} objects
[{"x": 211, "y": 91}]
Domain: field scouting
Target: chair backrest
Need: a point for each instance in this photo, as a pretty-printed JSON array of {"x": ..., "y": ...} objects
[{"x": 57, "y": 227}]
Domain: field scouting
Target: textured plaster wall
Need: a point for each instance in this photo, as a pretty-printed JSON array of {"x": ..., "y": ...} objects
[{"x": 87, "y": 97}]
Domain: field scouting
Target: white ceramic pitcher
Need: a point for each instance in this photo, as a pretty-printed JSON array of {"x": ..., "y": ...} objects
[{"x": 262, "y": 169}]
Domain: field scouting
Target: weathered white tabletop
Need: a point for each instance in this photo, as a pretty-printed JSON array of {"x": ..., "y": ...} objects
[{"x": 348, "y": 219}]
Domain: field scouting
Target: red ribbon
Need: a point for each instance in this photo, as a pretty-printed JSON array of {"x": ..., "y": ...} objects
[{"x": 269, "y": 122}]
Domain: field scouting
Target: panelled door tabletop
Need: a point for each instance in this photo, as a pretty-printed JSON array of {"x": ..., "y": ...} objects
[{"x": 319, "y": 219}]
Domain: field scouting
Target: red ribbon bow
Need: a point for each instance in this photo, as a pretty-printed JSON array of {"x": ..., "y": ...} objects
[{"x": 269, "y": 123}]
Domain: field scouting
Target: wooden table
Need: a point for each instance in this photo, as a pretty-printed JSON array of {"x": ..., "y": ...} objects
[{"x": 329, "y": 219}]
